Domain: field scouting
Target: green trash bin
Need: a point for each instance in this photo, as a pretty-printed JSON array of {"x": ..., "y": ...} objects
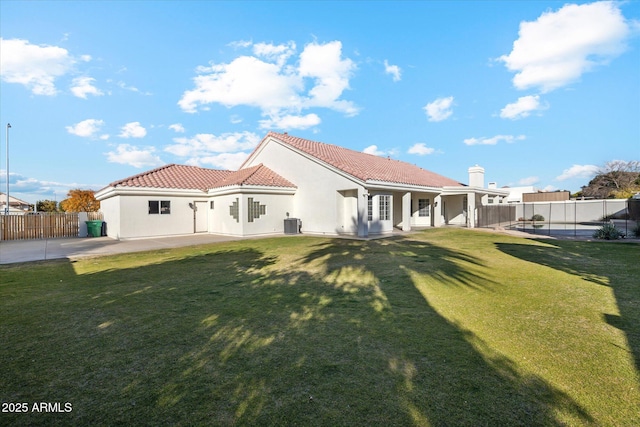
[{"x": 94, "y": 228}]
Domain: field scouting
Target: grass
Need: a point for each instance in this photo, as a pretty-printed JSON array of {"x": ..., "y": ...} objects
[{"x": 443, "y": 327}]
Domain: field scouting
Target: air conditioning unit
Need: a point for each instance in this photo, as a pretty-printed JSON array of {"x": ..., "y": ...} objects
[{"x": 292, "y": 226}]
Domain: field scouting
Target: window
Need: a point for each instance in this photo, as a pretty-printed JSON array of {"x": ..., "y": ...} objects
[
  {"x": 162, "y": 207},
  {"x": 385, "y": 208},
  {"x": 211, "y": 204},
  {"x": 255, "y": 209},
  {"x": 423, "y": 207},
  {"x": 370, "y": 208},
  {"x": 234, "y": 210}
]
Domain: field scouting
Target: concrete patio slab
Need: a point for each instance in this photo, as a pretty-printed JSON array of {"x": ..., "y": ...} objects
[{"x": 14, "y": 251}]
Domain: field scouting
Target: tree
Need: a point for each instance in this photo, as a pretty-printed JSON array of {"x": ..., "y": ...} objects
[
  {"x": 617, "y": 179},
  {"x": 80, "y": 201},
  {"x": 47, "y": 206}
]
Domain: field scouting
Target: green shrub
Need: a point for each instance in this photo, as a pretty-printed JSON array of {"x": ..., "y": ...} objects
[
  {"x": 608, "y": 232},
  {"x": 537, "y": 217},
  {"x": 635, "y": 231}
]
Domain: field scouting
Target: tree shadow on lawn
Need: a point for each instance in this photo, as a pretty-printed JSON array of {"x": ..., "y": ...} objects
[
  {"x": 338, "y": 335},
  {"x": 611, "y": 264}
]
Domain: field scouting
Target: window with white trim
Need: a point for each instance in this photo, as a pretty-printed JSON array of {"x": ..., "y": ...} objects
[{"x": 369, "y": 207}]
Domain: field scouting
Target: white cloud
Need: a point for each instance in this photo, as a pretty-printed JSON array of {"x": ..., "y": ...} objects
[
  {"x": 578, "y": 171},
  {"x": 440, "y": 109},
  {"x": 394, "y": 70},
  {"x": 324, "y": 63},
  {"x": 33, "y": 189},
  {"x": 134, "y": 156},
  {"x": 226, "y": 161},
  {"x": 83, "y": 86},
  {"x": 291, "y": 122},
  {"x": 269, "y": 81},
  {"x": 123, "y": 85},
  {"x": 245, "y": 81},
  {"x": 275, "y": 53},
  {"x": 241, "y": 44},
  {"x": 373, "y": 149},
  {"x": 522, "y": 107},
  {"x": 530, "y": 180},
  {"x": 86, "y": 128},
  {"x": 218, "y": 150},
  {"x": 558, "y": 47},
  {"x": 494, "y": 140},
  {"x": 133, "y": 130},
  {"x": 33, "y": 66},
  {"x": 177, "y": 127},
  {"x": 420, "y": 149}
]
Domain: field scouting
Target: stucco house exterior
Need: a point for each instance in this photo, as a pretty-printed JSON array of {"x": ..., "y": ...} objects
[{"x": 330, "y": 189}]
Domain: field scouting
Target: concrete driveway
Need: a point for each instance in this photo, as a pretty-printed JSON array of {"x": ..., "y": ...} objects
[{"x": 12, "y": 251}]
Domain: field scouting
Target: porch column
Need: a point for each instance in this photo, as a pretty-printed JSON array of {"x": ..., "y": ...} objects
[
  {"x": 363, "y": 225},
  {"x": 471, "y": 210},
  {"x": 437, "y": 211},
  {"x": 406, "y": 211}
]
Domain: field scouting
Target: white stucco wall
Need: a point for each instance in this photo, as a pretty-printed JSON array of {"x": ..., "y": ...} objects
[
  {"x": 347, "y": 205},
  {"x": 110, "y": 209},
  {"x": 272, "y": 222},
  {"x": 416, "y": 219},
  {"x": 319, "y": 210},
  {"x": 572, "y": 210},
  {"x": 454, "y": 212},
  {"x": 127, "y": 216}
]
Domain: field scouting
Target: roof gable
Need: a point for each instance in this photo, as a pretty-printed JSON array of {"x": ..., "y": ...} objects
[
  {"x": 259, "y": 175},
  {"x": 175, "y": 176},
  {"x": 363, "y": 166}
]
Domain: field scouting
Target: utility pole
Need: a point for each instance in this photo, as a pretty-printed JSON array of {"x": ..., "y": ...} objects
[{"x": 6, "y": 209}]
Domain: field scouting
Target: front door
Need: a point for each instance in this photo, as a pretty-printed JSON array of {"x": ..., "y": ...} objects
[{"x": 200, "y": 217}]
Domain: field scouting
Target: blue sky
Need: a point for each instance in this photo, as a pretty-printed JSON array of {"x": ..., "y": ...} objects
[{"x": 538, "y": 93}]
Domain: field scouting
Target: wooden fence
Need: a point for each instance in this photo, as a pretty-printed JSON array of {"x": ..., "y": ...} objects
[{"x": 42, "y": 225}]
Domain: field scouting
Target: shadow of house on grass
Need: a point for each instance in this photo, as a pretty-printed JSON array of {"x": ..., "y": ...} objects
[
  {"x": 340, "y": 334},
  {"x": 433, "y": 371},
  {"x": 595, "y": 262}
]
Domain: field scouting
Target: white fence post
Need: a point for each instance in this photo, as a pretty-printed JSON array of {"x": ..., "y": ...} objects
[{"x": 82, "y": 225}]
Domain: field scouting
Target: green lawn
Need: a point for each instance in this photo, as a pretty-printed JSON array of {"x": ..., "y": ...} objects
[{"x": 439, "y": 328}]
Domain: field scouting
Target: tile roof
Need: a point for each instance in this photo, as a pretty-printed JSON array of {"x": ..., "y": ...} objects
[
  {"x": 366, "y": 167},
  {"x": 175, "y": 176},
  {"x": 255, "y": 175}
]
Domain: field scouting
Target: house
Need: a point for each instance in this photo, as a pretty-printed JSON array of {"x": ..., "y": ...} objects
[
  {"x": 15, "y": 205},
  {"x": 330, "y": 189}
]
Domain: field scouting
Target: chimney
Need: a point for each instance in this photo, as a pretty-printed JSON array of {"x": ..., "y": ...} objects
[
  {"x": 476, "y": 176},
  {"x": 492, "y": 185}
]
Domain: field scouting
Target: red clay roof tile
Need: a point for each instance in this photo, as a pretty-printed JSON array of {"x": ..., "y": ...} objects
[
  {"x": 255, "y": 175},
  {"x": 366, "y": 167},
  {"x": 175, "y": 176}
]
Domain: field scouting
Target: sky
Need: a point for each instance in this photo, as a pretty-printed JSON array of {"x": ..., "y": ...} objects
[{"x": 538, "y": 93}]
